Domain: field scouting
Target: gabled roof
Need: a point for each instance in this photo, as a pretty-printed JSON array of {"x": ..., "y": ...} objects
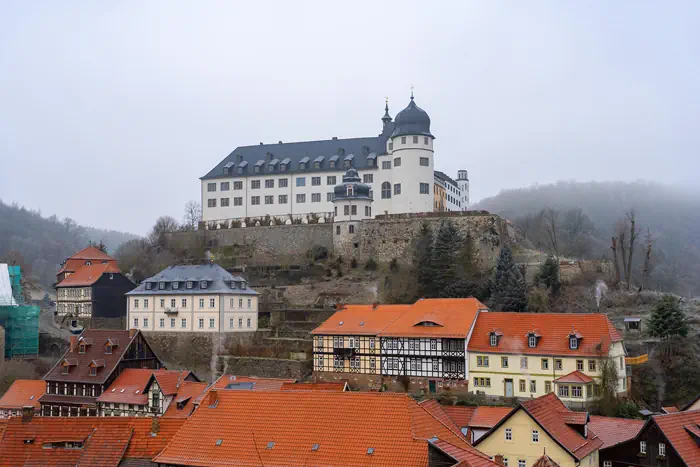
[
  {"x": 436, "y": 317},
  {"x": 551, "y": 415},
  {"x": 169, "y": 381},
  {"x": 574, "y": 377},
  {"x": 88, "y": 275},
  {"x": 303, "y": 428},
  {"x": 596, "y": 331},
  {"x": 131, "y": 386},
  {"x": 670, "y": 409},
  {"x": 459, "y": 414},
  {"x": 613, "y": 431},
  {"x": 488, "y": 417},
  {"x": 438, "y": 411},
  {"x": 182, "y": 404},
  {"x": 360, "y": 320},
  {"x": 218, "y": 280},
  {"x": 230, "y": 382},
  {"x": 91, "y": 253},
  {"x": 80, "y": 372},
  {"x": 682, "y": 431},
  {"x": 545, "y": 461},
  {"x": 107, "y": 440},
  {"x": 23, "y": 393}
]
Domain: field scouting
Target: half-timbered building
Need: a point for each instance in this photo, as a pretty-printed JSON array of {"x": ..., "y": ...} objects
[{"x": 94, "y": 360}]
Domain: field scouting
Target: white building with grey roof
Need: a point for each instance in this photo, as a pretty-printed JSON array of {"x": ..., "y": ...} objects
[
  {"x": 198, "y": 298},
  {"x": 292, "y": 180}
]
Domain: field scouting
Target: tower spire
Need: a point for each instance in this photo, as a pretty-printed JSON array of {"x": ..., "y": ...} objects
[
  {"x": 386, "y": 118},
  {"x": 411, "y": 92}
]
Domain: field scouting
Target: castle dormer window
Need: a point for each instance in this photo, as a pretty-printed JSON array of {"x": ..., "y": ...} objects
[
  {"x": 176, "y": 285},
  {"x": 161, "y": 285},
  {"x": 148, "y": 286},
  {"x": 203, "y": 284},
  {"x": 349, "y": 190},
  {"x": 189, "y": 284}
]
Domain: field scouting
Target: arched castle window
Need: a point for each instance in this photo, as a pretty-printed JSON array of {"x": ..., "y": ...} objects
[{"x": 386, "y": 190}]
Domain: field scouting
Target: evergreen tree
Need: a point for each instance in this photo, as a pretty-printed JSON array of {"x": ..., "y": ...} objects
[
  {"x": 548, "y": 275},
  {"x": 667, "y": 319},
  {"x": 448, "y": 242},
  {"x": 423, "y": 262},
  {"x": 508, "y": 289}
]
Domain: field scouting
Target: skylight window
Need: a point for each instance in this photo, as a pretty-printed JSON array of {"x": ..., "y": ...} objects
[
  {"x": 219, "y": 442},
  {"x": 270, "y": 445},
  {"x": 370, "y": 451},
  {"x": 315, "y": 447}
]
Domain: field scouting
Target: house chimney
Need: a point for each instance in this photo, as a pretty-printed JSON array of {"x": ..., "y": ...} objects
[
  {"x": 132, "y": 333},
  {"x": 155, "y": 424},
  {"x": 27, "y": 413},
  {"x": 339, "y": 306},
  {"x": 375, "y": 305},
  {"x": 213, "y": 398},
  {"x": 73, "y": 343},
  {"x": 498, "y": 459}
]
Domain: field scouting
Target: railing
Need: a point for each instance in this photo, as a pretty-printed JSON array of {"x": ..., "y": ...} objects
[{"x": 284, "y": 219}]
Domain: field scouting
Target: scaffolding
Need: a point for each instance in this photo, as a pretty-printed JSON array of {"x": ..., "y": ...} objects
[{"x": 21, "y": 321}]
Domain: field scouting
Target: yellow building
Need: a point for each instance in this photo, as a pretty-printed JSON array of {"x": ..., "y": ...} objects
[
  {"x": 528, "y": 355},
  {"x": 539, "y": 426},
  {"x": 440, "y": 196}
]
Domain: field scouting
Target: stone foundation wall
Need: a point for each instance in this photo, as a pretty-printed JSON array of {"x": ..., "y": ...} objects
[
  {"x": 365, "y": 382},
  {"x": 265, "y": 367},
  {"x": 393, "y": 237}
]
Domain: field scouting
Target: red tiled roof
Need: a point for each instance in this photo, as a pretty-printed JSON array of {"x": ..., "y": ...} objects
[
  {"x": 186, "y": 394},
  {"x": 574, "y": 377},
  {"x": 448, "y": 317},
  {"x": 596, "y": 329},
  {"x": 545, "y": 461},
  {"x": 459, "y": 414},
  {"x": 438, "y": 411},
  {"x": 488, "y": 417},
  {"x": 170, "y": 380},
  {"x": 675, "y": 428},
  {"x": 614, "y": 431},
  {"x": 670, "y": 409},
  {"x": 128, "y": 388},
  {"x": 23, "y": 392},
  {"x": 260, "y": 384},
  {"x": 338, "y": 387},
  {"x": 107, "y": 440},
  {"x": 282, "y": 428},
  {"x": 92, "y": 252},
  {"x": 81, "y": 371},
  {"x": 374, "y": 319},
  {"x": 547, "y": 411},
  {"x": 88, "y": 275},
  {"x": 464, "y": 457},
  {"x": 574, "y": 418}
]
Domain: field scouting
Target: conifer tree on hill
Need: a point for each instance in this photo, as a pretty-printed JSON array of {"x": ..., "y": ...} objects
[
  {"x": 448, "y": 242},
  {"x": 508, "y": 290},
  {"x": 423, "y": 262},
  {"x": 667, "y": 319}
]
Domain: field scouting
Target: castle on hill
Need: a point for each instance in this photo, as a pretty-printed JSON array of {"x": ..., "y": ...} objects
[{"x": 338, "y": 179}]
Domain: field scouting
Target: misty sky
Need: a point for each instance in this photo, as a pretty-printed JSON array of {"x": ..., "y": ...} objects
[{"x": 111, "y": 111}]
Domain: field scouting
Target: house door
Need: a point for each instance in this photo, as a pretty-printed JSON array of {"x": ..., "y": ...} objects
[
  {"x": 431, "y": 386},
  {"x": 509, "y": 388}
]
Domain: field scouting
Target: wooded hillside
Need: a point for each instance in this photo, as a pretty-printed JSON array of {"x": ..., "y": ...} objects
[{"x": 588, "y": 215}]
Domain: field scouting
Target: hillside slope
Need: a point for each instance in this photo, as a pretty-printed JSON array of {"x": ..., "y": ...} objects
[
  {"x": 40, "y": 244},
  {"x": 671, "y": 214}
]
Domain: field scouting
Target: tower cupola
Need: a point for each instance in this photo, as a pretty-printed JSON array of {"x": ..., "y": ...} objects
[{"x": 412, "y": 121}]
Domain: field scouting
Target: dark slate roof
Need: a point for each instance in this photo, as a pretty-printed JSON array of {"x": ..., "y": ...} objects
[
  {"x": 360, "y": 148},
  {"x": 445, "y": 177},
  {"x": 218, "y": 281},
  {"x": 412, "y": 121},
  {"x": 360, "y": 190}
]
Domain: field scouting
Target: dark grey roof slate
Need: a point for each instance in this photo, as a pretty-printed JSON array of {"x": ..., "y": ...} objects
[
  {"x": 216, "y": 277},
  {"x": 446, "y": 178},
  {"x": 293, "y": 153}
]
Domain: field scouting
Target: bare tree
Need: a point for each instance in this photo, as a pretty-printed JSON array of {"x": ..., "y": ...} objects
[
  {"x": 621, "y": 228},
  {"x": 193, "y": 215},
  {"x": 647, "y": 261},
  {"x": 634, "y": 232},
  {"x": 163, "y": 224},
  {"x": 615, "y": 261},
  {"x": 551, "y": 225}
]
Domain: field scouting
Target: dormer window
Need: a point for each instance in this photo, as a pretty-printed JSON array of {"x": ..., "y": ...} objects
[
  {"x": 176, "y": 285},
  {"x": 302, "y": 166},
  {"x": 494, "y": 340},
  {"x": 161, "y": 285},
  {"x": 317, "y": 165},
  {"x": 348, "y": 164},
  {"x": 108, "y": 349},
  {"x": 349, "y": 190},
  {"x": 148, "y": 285},
  {"x": 573, "y": 343},
  {"x": 532, "y": 341},
  {"x": 88, "y": 263},
  {"x": 243, "y": 285},
  {"x": 331, "y": 165},
  {"x": 81, "y": 348},
  {"x": 64, "y": 370},
  {"x": 93, "y": 371},
  {"x": 189, "y": 284},
  {"x": 203, "y": 284}
]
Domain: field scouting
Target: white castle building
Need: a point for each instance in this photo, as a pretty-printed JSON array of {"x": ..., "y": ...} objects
[{"x": 286, "y": 180}]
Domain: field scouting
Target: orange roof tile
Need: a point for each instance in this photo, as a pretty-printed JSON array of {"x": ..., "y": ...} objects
[
  {"x": 438, "y": 317},
  {"x": 182, "y": 404},
  {"x": 258, "y": 384},
  {"x": 338, "y": 387},
  {"x": 170, "y": 380},
  {"x": 459, "y": 414},
  {"x": 670, "y": 409},
  {"x": 22, "y": 393},
  {"x": 107, "y": 440},
  {"x": 681, "y": 430},
  {"x": 614, "y": 431},
  {"x": 303, "y": 428},
  {"x": 92, "y": 252},
  {"x": 438, "y": 411},
  {"x": 573, "y": 418},
  {"x": 360, "y": 319},
  {"x": 595, "y": 328},
  {"x": 488, "y": 417},
  {"x": 574, "y": 377},
  {"x": 128, "y": 388},
  {"x": 88, "y": 275}
]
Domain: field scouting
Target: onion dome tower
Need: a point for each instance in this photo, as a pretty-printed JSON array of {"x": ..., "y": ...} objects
[{"x": 351, "y": 199}]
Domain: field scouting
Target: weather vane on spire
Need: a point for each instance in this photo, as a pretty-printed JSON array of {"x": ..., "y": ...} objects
[{"x": 411, "y": 91}]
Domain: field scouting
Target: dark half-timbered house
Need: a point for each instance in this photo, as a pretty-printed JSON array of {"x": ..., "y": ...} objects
[{"x": 93, "y": 361}]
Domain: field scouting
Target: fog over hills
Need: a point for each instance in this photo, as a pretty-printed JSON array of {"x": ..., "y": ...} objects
[{"x": 671, "y": 214}]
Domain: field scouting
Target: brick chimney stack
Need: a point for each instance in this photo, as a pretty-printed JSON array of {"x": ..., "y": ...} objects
[
  {"x": 498, "y": 459},
  {"x": 73, "y": 343}
]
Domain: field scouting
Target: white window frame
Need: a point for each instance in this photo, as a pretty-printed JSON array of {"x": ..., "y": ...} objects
[
  {"x": 509, "y": 434},
  {"x": 535, "y": 436},
  {"x": 643, "y": 447},
  {"x": 662, "y": 449},
  {"x": 573, "y": 343},
  {"x": 494, "y": 340},
  {"x": 532, "y": 341}
]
